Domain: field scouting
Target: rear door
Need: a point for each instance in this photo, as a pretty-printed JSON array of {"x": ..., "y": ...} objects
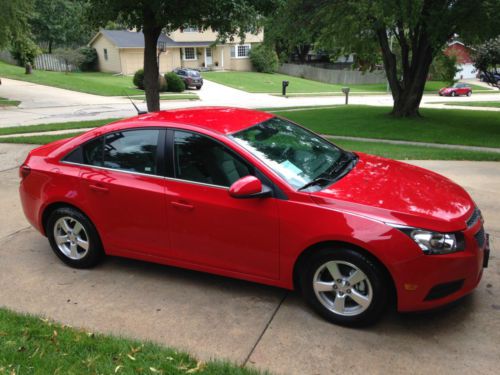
[{"x": 124, "y": 186}]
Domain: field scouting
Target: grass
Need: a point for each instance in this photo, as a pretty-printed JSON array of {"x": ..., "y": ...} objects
[
  {"x": 163, "y": 96},
  {"x": 387, "y": 150},
  {"x": 407, "y": 152},
  {"x": 55, "y": 126},
  {"x": 460, "y": 127},
  {"x": 271, "y": 83},
  {"x": 473, "y": 104},
  {"x": 7, "y": 103},
  {"x": 31, "y": 345}
]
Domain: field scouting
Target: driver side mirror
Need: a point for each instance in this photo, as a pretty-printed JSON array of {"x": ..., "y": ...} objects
[{"x": 249, "y": 187}]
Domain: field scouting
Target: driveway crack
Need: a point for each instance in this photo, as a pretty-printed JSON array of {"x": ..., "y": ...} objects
[{"x": 264, "y": 330}]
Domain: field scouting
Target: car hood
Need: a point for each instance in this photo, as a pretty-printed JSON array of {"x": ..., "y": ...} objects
[{"x": 399, "y": 193}]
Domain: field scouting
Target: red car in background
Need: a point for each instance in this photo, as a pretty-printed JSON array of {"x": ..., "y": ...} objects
[
  {"x": 457, "y": 89},
  {"x": 249, "y": 195}
]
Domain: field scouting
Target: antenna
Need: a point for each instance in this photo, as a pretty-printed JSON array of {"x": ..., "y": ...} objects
[{"x": 139, "y": 112}]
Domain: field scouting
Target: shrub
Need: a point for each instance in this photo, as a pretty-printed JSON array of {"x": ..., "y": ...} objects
[
  {"x": 444, "y": 68},
  {"x": 174, "y": 82},
  {"x": 139, "y": 79},
  {"x": 72, "y": 58},
  {"x": 264, "y": 59},
  {"x": 89, "y": 62},
  {"x": 24, "y": 51}
]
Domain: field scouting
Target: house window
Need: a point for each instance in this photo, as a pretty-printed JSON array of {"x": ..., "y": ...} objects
[
  {"x": 191, "y": 29},
  {"x": 105, "y": 54},
  {"x": 240, "y": 51},
  {"x": 189, "y": 53}
]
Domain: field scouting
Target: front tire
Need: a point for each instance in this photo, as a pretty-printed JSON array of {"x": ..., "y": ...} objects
[
  {"x": 469, "y": 93},
  {"x": 453, "y": 93},
  {"x": 345, "y": 287},
  {"x": 73, "y": 238}
]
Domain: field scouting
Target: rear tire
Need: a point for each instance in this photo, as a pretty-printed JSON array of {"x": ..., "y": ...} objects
[
  {"x": 73, "y": 238},
  {"x": 345, "y": 287}
]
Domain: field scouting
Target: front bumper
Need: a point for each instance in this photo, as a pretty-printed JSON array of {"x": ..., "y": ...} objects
[{"x": 431, "y": 281}]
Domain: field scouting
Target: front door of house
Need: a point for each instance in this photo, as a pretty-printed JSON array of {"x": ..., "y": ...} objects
[{"x": 208, "y": 57}]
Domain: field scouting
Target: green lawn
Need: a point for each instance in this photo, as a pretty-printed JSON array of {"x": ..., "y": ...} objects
[
  {"x": 271, "y": 83},
  {"x": 55, "y": 126},
  {"x": 8, "y": 103},
  {"x": 474, "y": 104},
  {"x": 31, "y": 345},
  {"x": 93, "y": 83},
  {"x": 461, "y": 127},
  {"x": 163, "y": 96}
]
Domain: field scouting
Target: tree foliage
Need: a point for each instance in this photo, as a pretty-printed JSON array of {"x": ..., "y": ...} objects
[
  {"x": 24, "y": 51},
  {"x": 444, "y": 68},
  {"x": 264, "y": 59},
  {"x": 227, "y": 17},
  {"x": 487, "y": 60},
  {"x": 60, "y": 23},
  {"x": 14, "y": 17},
  {"x": 418, "y": 28},
  {"x": 89, "y": 62}
]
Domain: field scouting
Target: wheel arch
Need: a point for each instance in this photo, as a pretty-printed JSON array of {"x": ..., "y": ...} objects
[
  {"x": 311, "y": 250},
  {"x": 51, "y": 207}
]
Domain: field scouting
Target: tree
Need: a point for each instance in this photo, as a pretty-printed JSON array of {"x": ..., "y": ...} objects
[
  {"x": 227, "y": 17},
  {"x": 70, "y": 57},
  {"x": 487, "y": 60},
  {"x": 444, "y": 68},
  {"x": 60, "y": 23},
  {"x": 14, "y": 16},
  {"x": 418, "y": 28}
]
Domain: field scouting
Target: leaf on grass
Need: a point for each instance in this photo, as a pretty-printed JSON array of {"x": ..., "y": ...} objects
[
  {"x": 136, "y": 350},
  {"x": 170, "y": 359},
  {"x": 117, "y": 368},
  {"x": 3, "y": 333},
  {"x": 199, "y": 366},
  {"x": 132, "y": 358},
  {"x": 152, "y": 369}
]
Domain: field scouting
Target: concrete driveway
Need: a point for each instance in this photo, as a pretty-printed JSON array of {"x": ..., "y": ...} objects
[
  {"x": 44, "y": 104},
  {"x": 216, "y": 317}
]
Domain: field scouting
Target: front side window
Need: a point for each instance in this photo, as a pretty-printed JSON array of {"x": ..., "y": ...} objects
[
  {"x": 295, "y": 154},
  {"x": 240, "y": 51},
  {"x": 132, "y": 150},
  {"x": 189, "y": 53},
  {"x": 202, "y": 159}
]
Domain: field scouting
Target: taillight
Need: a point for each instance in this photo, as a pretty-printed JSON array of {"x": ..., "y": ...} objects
[{"x": 24, "y": 171}]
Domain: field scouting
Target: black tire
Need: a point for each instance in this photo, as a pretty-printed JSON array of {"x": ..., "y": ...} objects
[
  {"x": 187, "y": 86},
  {"x": 95, "y": 251},
  {"x": 453, "y": 93},
  {"x": 378, "y": 283},
  {"x": 198, "y": 87},
  {"x": 469, "y": 93}
]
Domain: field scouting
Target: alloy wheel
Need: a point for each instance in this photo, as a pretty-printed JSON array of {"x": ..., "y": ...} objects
[
  {"x": 343, "y": 288},
  {"x": 71, "y": 238}
]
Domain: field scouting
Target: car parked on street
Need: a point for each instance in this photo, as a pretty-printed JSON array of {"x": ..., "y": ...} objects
[
  {"x": 249, "y": 195},
  {"x": 456, "y": 90},
  {"x": 191, "y": 77},
  {"x": 490, "y": 77}
]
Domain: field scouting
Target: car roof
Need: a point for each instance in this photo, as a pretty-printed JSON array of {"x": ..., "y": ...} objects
[{"x": 224, "y": 120}]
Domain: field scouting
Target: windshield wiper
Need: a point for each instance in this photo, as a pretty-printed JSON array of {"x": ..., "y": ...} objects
[
  {"x": 340, "y": 164},
  {"x": 316, "y": 181}
]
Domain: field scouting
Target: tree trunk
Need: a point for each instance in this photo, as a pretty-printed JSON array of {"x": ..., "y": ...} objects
[{"x": 151, "y": 34}]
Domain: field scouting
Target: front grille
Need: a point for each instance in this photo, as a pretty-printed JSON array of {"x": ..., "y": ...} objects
[
  {"x": 476, "y": 215},
  {"x": 443, "y": 290},
  {"x": 480, "y": 238}
]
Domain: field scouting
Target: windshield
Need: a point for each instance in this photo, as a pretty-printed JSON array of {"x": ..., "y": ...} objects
[
  {"x": 193, "y": 73},
  {"x": 297, "y": 155}
]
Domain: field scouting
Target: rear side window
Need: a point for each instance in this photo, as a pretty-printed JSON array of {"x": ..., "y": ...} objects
[
  {"x": 133, "y": 150},
  {"x": 92, "y": 152}
]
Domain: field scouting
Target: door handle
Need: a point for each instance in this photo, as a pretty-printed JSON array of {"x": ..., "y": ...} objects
[
  {"x": 100, "y": 189},
  {"x": 185, "y": 206}
]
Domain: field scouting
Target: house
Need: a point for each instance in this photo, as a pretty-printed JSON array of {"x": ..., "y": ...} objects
[
  {"x": 464, "y": 60},
  {"x": 122, "y": 51}
]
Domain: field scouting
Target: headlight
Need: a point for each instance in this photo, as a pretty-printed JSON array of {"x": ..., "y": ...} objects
[{"x": 433, "y": 243}]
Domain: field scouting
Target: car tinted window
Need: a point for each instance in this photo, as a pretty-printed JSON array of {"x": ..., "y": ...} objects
[
  {"x": 92, "y": 152},
  {"x": 132, "y": 150},
  {"x": 194, "y": 73},
  {"x": 201, "y": 159}
]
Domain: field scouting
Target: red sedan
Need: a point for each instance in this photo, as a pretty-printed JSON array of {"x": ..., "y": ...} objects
[
  {"x": 245, "y": 194},
  {"x": 456, "y": 90}
]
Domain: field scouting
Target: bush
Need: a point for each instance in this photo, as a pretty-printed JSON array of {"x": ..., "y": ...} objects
[
  {"x": 24, "y": 51},
  {"x": 72, "y": 58},
  {"x": 444, "y": 68},
  {"x": 264, "y": 59},
  {"x": 139, "y": 79},
  {"x": 174, "y": 82},
  {"x": 89, "y": 62}
]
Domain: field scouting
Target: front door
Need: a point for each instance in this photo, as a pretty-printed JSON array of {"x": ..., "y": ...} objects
[
  {"x": 208, "y": 226},
  {"x": 208, "y": 57}
]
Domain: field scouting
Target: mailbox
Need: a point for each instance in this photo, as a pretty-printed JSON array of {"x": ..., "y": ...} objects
[
  {"x": 284, "y": 85},
  {"x": 346, "y": 90}
]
